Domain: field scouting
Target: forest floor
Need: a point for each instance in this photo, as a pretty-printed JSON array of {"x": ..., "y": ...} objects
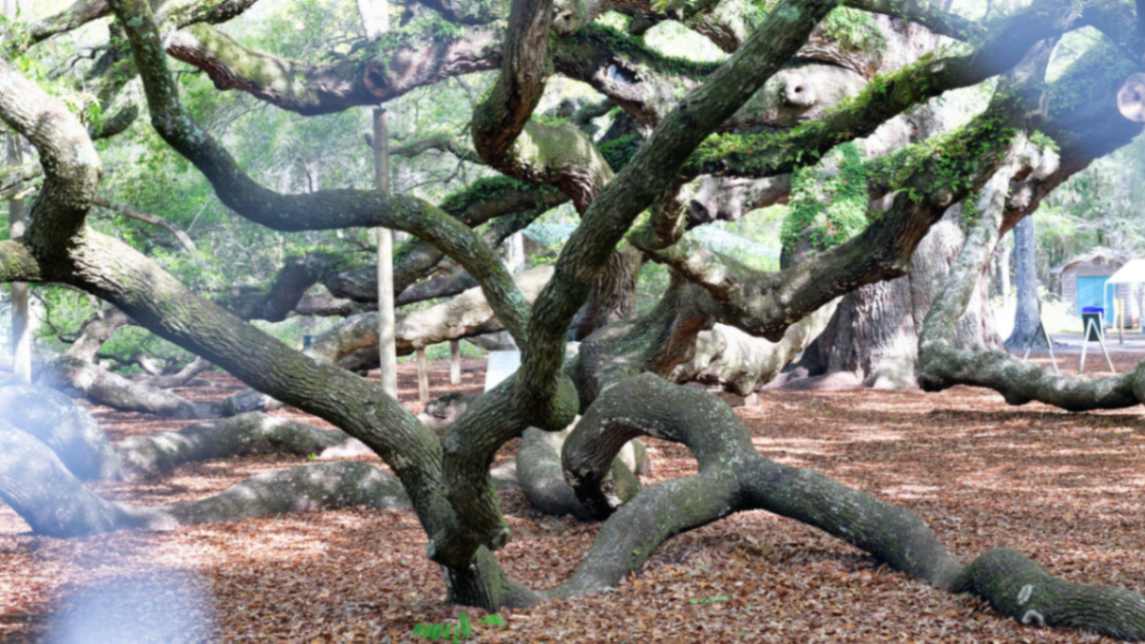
[{"x": 1065, "y": 489}]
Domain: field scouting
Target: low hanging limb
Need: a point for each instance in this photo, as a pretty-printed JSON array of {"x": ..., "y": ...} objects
[
  {"x": 69, "y": 431},
  {"x": 44, "y": 492}
]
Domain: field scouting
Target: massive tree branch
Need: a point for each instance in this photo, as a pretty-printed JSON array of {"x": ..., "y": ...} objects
[
  {"x": 885, "y": 96},
  {"x": 538, "y": 395},
  {"x": 733, "y": 477},
  {"x": 335, "y": 209},
  {"x": 71, "y": 165},
  {"x": 307, "y": 88}
]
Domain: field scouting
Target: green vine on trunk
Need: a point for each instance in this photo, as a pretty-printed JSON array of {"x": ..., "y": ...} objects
[{"x": 827, "y": 210}]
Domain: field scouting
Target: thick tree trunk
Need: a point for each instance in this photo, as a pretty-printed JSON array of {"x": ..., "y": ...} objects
[
  {"x": 874, "y": 332},
  {"x": 1028, "y": 314}
]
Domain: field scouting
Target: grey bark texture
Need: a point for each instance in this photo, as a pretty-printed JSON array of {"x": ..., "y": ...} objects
[{"x": 1028, "y": 314}]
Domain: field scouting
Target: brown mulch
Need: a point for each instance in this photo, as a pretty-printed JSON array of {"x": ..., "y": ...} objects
[{"x": 1064, "y": 489}]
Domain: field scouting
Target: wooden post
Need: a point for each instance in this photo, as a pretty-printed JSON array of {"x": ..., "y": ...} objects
[
  {"x": 422, "y": 376},
  {"x": 455, "y": 362},
  {"x": 515, "y": 252},
  {"x": 22, "y": 324},
  {"x": 1119, "y": 310},
  {"x": 1084, "y": 346},
  {"x": 387, "y": 349},
  {"x": 376, "y": 22}
]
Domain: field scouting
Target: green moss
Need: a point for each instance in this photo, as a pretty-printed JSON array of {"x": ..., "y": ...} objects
[
  {"x": 550, "y": 144},
  {"x": 853, "y": 29},
  {"x": 595, "y": 37},
  {"x": 827, "y": 212},
  {"x": 619, "y": 151},
  {"x": 482, "y": 190},
  {"x": 946, "y": 166},
  {"x": 970, "y": 212}
]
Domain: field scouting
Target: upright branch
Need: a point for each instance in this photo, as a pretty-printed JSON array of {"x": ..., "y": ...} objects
[
  {"x": 69, "y": 160},
  {"x": 539, "y": 395},
  {"x": 643, "y": 179}
]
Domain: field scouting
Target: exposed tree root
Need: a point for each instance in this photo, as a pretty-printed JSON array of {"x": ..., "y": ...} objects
[
  {"x": 82, "y": 448},
  {"x": 104, "y": 387},
  {"x": 541, "y": 476},
  {"x": 316, "y": 486},
  {"x": 733, "y": 478},
  {"x": 37, "y": 485}
]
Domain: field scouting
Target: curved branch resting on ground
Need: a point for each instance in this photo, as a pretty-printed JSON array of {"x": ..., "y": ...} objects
[{"x": 733, "y": 478}]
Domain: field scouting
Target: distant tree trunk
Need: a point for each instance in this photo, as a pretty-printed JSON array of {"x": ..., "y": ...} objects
[
  {"x": 22, "y": 327},
  {"x": 515, "y": 252},
  {"x": 1000, "y": 271},
  {"x": 22, "y": 323},
  {"x": 1029, "y": 311},
  {"x": 387, "y": 323},
  {"x": 874, "y": 331}
]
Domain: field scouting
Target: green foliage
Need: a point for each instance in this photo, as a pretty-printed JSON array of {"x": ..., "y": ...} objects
[
  {"x": 462, "y": 630},
  {"x": 619, "y": 151},
  {"x": 441, "y": 350},
  {"x": 826, "y": 211},
  {"x": 625, "y": 46},
  {"x": 130, "y": 341},
  {"x": 853, "y": 29},
  {"x": 1044, "y": 141},
  {"x": 14, "y": 38}
]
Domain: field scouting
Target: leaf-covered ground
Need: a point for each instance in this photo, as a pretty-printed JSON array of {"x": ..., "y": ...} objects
[{"x": 1065, "y": 489}]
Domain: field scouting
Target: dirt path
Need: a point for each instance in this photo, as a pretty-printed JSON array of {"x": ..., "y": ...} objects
[{"x": 1065, "y": 489}]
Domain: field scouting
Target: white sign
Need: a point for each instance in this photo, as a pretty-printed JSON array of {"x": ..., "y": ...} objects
[{"x": 501, "y": 364}]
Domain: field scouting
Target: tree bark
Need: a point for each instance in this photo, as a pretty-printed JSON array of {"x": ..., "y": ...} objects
[
  {"x": 387, "y": 323},
  {"x": 1028, "y": 314},
  {"x": 874, "y": 332}
]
